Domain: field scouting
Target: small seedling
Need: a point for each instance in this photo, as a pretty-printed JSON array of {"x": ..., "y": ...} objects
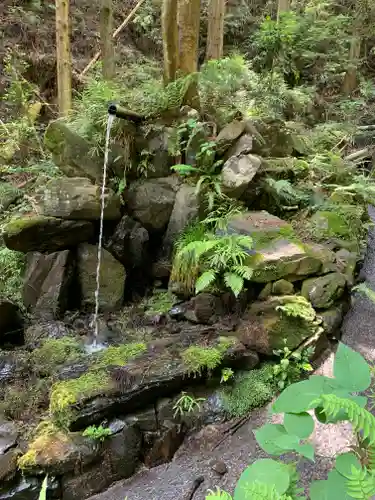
[
  {"x": 99, "y": 433},
  {"x": 186, "y": 404},
  {"x": 226, "y": 374}
]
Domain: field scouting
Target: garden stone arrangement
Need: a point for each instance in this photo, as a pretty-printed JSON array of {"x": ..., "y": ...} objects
[{"x": 88, "y": 418}]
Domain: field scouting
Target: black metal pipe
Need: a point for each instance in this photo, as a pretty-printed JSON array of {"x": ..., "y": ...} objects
[{"x": 125, "y": 114}]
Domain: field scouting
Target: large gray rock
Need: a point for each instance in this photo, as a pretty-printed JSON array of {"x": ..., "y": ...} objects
[
  {"x": 229, "y": 134},
  {"x": 277, "y": 253},
  {"x": 40, "y": 331},
  {"x": 71, "y": 153},
  {"x": 8, "y": 194},
  {"x": 151, "y": 201},
  {"x": 47, "y": 282},
  {"x": 76, "y": 199},
  {"x": 129, "y": 243},
  {"x": 185, "y": 210},
  {"x": 237, "y": 174},
  {"x": 45, "y": 234},
  {"x": 112, "y": 277},
  {"x": 154, "y": 149},
  {"x": 272, "y": 137},
  {"x": 323, "y": 291},
  {"x": 242, "y": 146}
]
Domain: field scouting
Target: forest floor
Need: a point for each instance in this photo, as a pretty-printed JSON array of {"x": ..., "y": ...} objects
[{"x": 174, "y": 481}]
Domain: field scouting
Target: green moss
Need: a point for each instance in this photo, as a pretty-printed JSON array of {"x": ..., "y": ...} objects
[
  {"x": 67, "y": 393},
  {"x": 27, "y": 460},
  {"x": 197, "y": 358},
  {"x": 16, "y": 225},
  {"x": 119, "y": 356},
  {"x": 11, "y": 269},
  {"x": 338, "y": 221},
  {"x": 160, "y": 302},
  {"x": 55, "y": 352},
  {"x": 250, "y": 390},
  {"x": 263, "y": 239}
]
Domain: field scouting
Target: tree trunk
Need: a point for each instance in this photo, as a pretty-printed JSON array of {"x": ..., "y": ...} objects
[
  {"x": 282, "y": 6},
  {"x": 106, "y": 40},
  {"x": 63, "y": 58},
  {"x": 170, "y": 39},
  {"x": 215, "y": 29},
  {"x": 188, "y": 22},
  {"x": 350, "y": 79}
]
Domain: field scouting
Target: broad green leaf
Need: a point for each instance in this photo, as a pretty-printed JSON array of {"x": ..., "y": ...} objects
[
  {"x": 265, "y": 471},
  {"x": 303, "y": 396},
  {"x": 332, "y": 489},
  {"x": 234, "y": 282},
  {"x": 351, "y": 370},
  {"x": 185, "y": 169},
  {"x": 344, "y": 464},
  {"x": 267, "y": 436},
  {"x": 287, "y": 442},
  {"x": 306, "y": 450},
  {"x": 300, "y": 424}
]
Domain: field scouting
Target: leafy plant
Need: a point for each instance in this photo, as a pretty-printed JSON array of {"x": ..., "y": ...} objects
[
  {"x": 222, "y": 259},
  {"x": 332, "y": 401},
  {"x": 186, "y": 404},
  {"x": 218, "y": 494},
  {"x": 98, "y": 433},
  {"x": 11, "y": 270},
  {"x": 226, "y": 374},
  {"x": 291, "y": 365},
  {"x": 43, "y": 490}
]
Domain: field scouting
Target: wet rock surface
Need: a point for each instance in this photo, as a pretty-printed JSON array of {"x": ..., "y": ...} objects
[{"x": 45, "y": 234}]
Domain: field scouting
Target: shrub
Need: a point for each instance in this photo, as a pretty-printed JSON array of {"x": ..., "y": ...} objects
[
  {"x": 332, "y": 400},
  {"x": 11, "y": 269}
]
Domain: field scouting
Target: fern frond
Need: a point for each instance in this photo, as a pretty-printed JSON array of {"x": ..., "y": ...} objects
[
  {"x": 284, "y": 192},
  {"x": 234, "y": 282},
  {"x": 360, "y": 484},
  {"x": 371, "y": 458},
  {"x": 198, "y": 248},
  {"x": 245, "y": 272},
  {"x": 361, "y": 419},
  {"x": 205, "y": 280},
  {"x": 218, "y": 494},
  {"x": 246, "y": 242},
  {"x": 262, "y": 491}
]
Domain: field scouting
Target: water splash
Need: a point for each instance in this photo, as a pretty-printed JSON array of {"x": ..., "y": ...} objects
[{"x": 97, "y": 291}]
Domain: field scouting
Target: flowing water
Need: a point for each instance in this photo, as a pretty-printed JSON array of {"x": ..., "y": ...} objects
[{"x": 97, "y": 291}]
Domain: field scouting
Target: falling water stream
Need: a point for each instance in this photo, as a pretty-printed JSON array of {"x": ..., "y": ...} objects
[{"x": 95, "y": 345}]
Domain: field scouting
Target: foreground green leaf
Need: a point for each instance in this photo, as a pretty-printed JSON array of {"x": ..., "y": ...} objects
[
  {"x": 266, "y": 471},
  {"x": 344, "y": 463},
  {"x": 351, "y": 370},
  {"x": 300, "y": 424}
]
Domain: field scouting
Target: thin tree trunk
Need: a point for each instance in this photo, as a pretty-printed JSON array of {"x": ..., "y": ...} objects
[
  {"x": 188, "y": 22},
  {"x": 170, "y": 39},
  {"x": 350, "y": 79},
  {"x": 282, "y": 6},
  {"x": 63, "y": 58},
  {"x": 215, "y": 29},
  {"x": 106, "y": 40}
]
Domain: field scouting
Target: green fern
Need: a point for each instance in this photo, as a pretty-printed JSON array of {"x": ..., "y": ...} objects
[
  {"x": 43, "y": 490},
  {"x": 284, "y": 193},
  {"x": 298, "y": 307},
  {"x": 205, "y": 280},
  {"x": 371, "y": 458},
  {"x": 360, "y": 484},
  {"x": 262, "y": 491},
  {"x": 362, "y": 420},
  {"x": 218, "y": 494},
  {"x": 234, "y": 282}
]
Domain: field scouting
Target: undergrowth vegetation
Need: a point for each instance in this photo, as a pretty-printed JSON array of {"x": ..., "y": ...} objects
[{"x": 332, "y": 400}]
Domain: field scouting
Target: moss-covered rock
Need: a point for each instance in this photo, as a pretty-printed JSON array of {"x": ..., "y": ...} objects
[
  {"x": 268, "y": 325},
  {"x": 55, "y": 352},
  {"x": 279, "y": 252},
  {"x": 56, "y": 452},
  {"x": 44, "y": 234},
  {"x": 71, "y": 153},
  {"x": 76, "y": 199},
  {"x": 282, "y": 287},
  {"x": 8, "y": 194},
  {"x": 112, "y": 277},
  {"x": 323, "y": 291}
]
